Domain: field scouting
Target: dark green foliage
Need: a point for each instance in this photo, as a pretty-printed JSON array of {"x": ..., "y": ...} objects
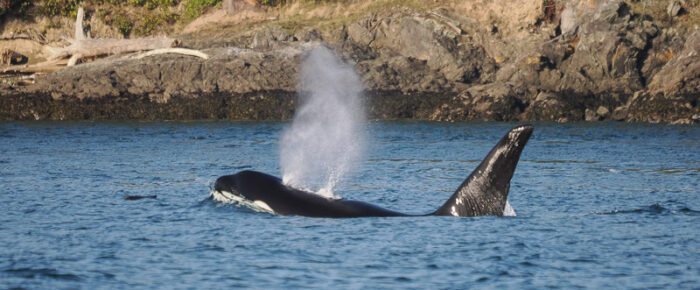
[
  {"x": 163, "y": 4},
  {"x": 124, "y": 25},
  {"x": 137, "y": 2},
  {"x": 152, "y": 4},
  {"x": 17, "y": 7},
  {"x": 59, "y": 7},
  {"x": 117, "y": 18}
]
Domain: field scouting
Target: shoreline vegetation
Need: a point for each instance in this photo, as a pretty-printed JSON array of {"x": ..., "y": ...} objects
[{"x": 564, "y": 61}]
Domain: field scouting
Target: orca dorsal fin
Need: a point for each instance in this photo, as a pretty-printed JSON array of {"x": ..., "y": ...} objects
[{"x": 485, "y": 191}]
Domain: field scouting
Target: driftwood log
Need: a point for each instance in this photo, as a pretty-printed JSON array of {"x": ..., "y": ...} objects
[
  {"x": 44, "y": 67},
  {"x": 184, "y": 51},
  {"x": 82, "y": 46}
]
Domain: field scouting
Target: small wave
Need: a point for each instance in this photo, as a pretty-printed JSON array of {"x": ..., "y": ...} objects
[
  {"x": 688, "y": 211},
  {"x": 209, "y": 200},
  {"x": 31, "y": 273},
  {"x": 652, "y": 209},
  {"x": 665, "y": 170},
  {"x": 564, "y": 161},
  {"x": 205, "y": 248},
  {"x": 675, "y": 170}
]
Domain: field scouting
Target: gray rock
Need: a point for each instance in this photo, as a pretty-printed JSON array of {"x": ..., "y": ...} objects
[
  {"x": 269, "y": 38},
  {"x": 602, "y": 112},
  {"x": 681, "y": 74},
  {"x": 591, "y": 115},
  {"x": 232, "y": 70},
  {"x": 359, "y": 32},
  {"x": 308, "y": 35},
  {"x": 620, "y": 113},
  {"x": 423, "y": 37},
  {"x": 662, "y": 108},
  {"x": 605, "y": 52},
  {"x": 554, "y": 107}
]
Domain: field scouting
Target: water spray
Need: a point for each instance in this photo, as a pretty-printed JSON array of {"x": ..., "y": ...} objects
[{"x": 327, "y": 135}]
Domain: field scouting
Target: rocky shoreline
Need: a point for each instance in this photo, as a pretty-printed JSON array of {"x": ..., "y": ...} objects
[{"x": 589, "y": 62}]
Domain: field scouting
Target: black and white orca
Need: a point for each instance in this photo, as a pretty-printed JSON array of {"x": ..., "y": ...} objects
[{"x": 484, "y": 192}]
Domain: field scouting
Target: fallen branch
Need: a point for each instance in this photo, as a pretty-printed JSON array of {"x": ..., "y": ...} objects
[
  {"x": 14, "y": 37},
  {"x": 97, "y": 47},
  {"x": 44, "y": 67},
  {"x": 184, "y": 51}
]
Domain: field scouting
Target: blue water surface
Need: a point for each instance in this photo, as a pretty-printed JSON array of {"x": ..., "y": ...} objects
[{"x": 598, "y": 205}]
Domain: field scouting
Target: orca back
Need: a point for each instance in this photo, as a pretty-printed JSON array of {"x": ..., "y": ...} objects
[{"x": 285, "y": 200}]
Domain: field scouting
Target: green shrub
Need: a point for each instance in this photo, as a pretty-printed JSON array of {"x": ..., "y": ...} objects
[
  {"x": 153, "y": 4},
  {"x": 59, "y": 7},
  {"x": 124, "y": 25},
  {"x": 194, "y": 8},
  {"x": 163, "y": 4},
  {"x": 137, "y": 2},
  {"x": 151, "y": 23}
]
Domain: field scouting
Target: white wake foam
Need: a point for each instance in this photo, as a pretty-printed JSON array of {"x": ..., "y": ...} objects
[{"x": 230, "y": 198}]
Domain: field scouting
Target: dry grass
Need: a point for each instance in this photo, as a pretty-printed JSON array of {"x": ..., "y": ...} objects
[
  {"x": 335, "y": 13},
  {"x": 296, "y": 15},
  {"x": 330, "y": 14}
]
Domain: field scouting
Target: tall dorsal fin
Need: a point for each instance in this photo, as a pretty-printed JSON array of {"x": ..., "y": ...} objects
[{"x": 485, "y": 191}]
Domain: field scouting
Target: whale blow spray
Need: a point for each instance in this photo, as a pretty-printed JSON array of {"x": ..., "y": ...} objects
[{"x": 327, "y": 135}]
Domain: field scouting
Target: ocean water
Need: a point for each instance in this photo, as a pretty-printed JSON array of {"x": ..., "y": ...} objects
[{"x": 598, "y": 205}]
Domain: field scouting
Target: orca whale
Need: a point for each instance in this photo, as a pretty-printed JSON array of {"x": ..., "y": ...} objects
[{"x": 484, "y": 192}]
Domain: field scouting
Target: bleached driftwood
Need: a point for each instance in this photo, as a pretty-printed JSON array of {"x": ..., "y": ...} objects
[
  {"x": 83, "y": 46},
  {"x": 79, "y": 33},
  {"x": 44, "y": 67},
  {"x": 99, "y": 47},
  {"x": 184, "y": 51}
]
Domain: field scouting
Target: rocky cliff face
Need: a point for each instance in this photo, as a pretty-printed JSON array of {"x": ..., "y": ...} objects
[{"x": 592, "y": 62}]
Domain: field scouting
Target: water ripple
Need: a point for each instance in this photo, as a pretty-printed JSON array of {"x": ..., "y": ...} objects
[
  {"x": 597, "y": 208},
  {"x": 31, "y": 273},
  {"x": 652, "y": 209}
]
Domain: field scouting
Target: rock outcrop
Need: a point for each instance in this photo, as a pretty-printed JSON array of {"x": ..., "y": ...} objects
[{"x": 587, "y": 62}]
